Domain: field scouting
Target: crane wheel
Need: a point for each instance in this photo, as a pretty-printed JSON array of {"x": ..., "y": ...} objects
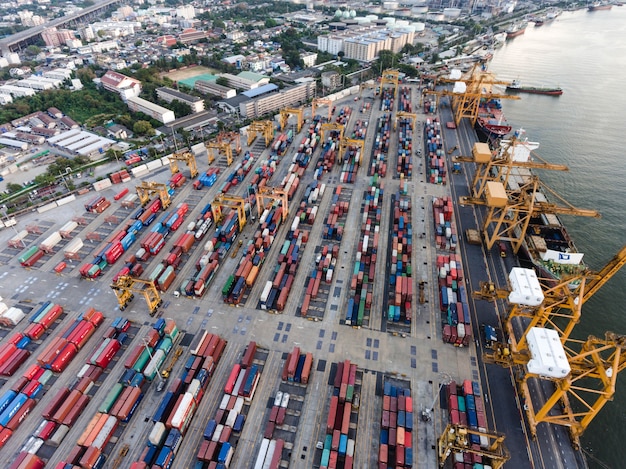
[
  {"x": 132, "y": 297},
  {"x": 122, "y": 308},
  {"x": 160, "y": 303}
]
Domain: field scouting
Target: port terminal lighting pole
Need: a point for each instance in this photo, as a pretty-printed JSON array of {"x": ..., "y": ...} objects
[
  {"x": 9, "y": 222},
  {"x": 427, "y": 414}
]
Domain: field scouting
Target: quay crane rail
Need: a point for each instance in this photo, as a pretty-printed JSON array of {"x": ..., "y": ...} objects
[
  {"x": 275, "y": 194},
  {"x": 284, "y": 118},
  {"x": 145, "y": 190},
  {"x": 126, "y": 287},
  {"x": 186, "y": 157},
  {"x": 264, "y": 128},
  {"x": 455, "y": 438},
  {"x": 232, "y": 202}
]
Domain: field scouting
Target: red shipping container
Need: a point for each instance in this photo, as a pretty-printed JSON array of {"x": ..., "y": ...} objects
[{"x": 64, "y": 358}]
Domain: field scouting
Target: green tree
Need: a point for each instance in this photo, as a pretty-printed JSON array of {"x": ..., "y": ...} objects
[
  {"x": 221, "y": 81},
  {"x": 217, "y": 23},
  {"x": 270, "y": 23},
  {"x": 143, "y": 128},
  {"x": 12, "y": 187}
]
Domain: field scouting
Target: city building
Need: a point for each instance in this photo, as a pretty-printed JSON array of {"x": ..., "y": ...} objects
[
  {"x": 168, "y": 95},
  {"x": 245, "y": 80},
  {"x": 236, "y": 61},
  {"x": 210, "y": 87},
  {"x": 273, "y": 102},
  {"x": 125, "y": 86},
  {"x": 155, "y": 111},
  {"x": 54, "y": 37},
  {"x": 309, "y": 58}
]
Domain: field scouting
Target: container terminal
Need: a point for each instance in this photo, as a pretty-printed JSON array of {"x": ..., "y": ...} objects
[{"x": 328, "y": 289}]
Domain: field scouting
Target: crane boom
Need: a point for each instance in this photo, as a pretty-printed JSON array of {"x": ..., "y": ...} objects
[{"x": 613, "y": 266}]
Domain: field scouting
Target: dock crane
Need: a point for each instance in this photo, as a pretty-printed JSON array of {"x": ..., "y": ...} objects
[
  {"x": 455, "y": 438},
  {"x": 230, "y": 138},
  {"x": 214, "y": 148},
  {"x": 274, "y": 194},
  {"x": 512, "y": 194},
  {"x": 145, "y": 190},
  {"x": 404, "y": 115},
  {"x": 391, "y": 77},
  {"x": 284, "y": 118},
  {"x": 186, "y": 157},
  {"x": 332, "y": 126},
  {"x": 264, "y": 128},
  {"x": 594, "y": 363},
  {"x": 345, "y": 143},
  {"x": 468, "y": 93},
  {"x": 126, "y": 287},
  {"x": 232, "y": 202},
  {"x": 321, "y": 102}
]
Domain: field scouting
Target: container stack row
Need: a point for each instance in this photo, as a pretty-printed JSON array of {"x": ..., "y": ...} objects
[
  {"x": 69, "y": 403},
  {"x": 10, "y": 316},
  {"x": 353, "y": 154},
  {"x": 435, "y": 158},
  {"x": 396, "y": 435},
  {"x": 387, "y": 99},
  {"x": 466, "y": 407},
  {"x": 120, "y": 176},
  {"x": 206, "y": 179},
  {"x": 239, "y": 173},
  {"x": 446, "y": 238},
  {"x": 179, "y": 404},
  {"x": 344, "y": 115},
  {"x": 97, "y": 204},
  {"x": 380, "y": 149},
  {"x": 401, "y": 275},
  {"x": 362, "y": 282},
  {"x": 253, "y": 256},
  {"x": 326, "y": 160},
  {"x": 229, "y": 419},
  {"x": 338, "y": 449},
  {"x": 304, "y": 152}
]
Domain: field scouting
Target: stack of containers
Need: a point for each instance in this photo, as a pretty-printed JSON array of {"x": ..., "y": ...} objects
[
  {"x": 400, "y": 278},
  {"x": 353, "y": 157},
  {"x": 362, "y": 282},
  {"x": 297, "y": 366},
  {"x": 466, "y": 407},
  {"x": 10, "y": 317},
  {"x": 386, "y": 99},
  {"x": 396, "y": 435},
  {"x": 338, "y": 447},
  {"x": 239, "y": 173},
  {"x": 30, "y": 257},
  {"x": 25, "y": 460},
  {"x": 207, "y": 179},
  {"x": 97, "y": 205},
  {"x": 435, "y": 158},
  {"x": 177, "y": 407},
  {"x": 17, "y": 402},
  {"x": 240, "y": 387},
  {"x": 344, "y": 115},
  {"x": 405, "y": 136},
  {"x": 326, "y": 159},
  {"x": 253, "y": 255},
  {"x": 129, "y": 200},
  {"x": 66, "y": 230},
  {"x": 120, "y": 176},
  {"x": 123, "y": 398},
  {"x": 176, "y": 181},
  {"x": 336, "y": 219},
  {"x": 378, "y": 160},
  {"x": 305, "y": 150},
  {"x": 446, "y": 238}
]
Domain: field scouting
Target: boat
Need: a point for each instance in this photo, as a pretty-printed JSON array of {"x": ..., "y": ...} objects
[
  {"x": 516, "y": 30},
  {"x": 516, "y": 87},
  {"x": 491, "y": 122},
  {"x": 547, "y": 247},
  {"x": 600, "y": 6}
]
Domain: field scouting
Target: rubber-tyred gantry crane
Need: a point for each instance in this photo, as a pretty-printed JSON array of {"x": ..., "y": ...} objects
[
  {"x": 391, "y": 77},
  {"x": 284, "y": 118},
  {"x": 126, "y": 287},
  {"x": 214, "y": 148},
  {"x": 317, "y": 102},
  {"x": 145, "y": 190},
  {"x": 232, "y": 202},
  {"x": 332, "y": 126},
  {"x": 186, "y": 157},
  {"x": 275, "y": 194},
  {"x": 230, "y": 138},
  {"x": 455, "y": 438},
  {"x": 346, "y": 143},
  {"x": 264, "y": 128},
  {"x": 404, "y": 115}
]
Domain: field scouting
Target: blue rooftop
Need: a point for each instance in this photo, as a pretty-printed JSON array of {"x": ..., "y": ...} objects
[{"x": 260, "y": 90}]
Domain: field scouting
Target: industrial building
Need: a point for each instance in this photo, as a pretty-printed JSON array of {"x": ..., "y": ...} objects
[
  {"x": 168, "y": 95},
  {"x": 270, "y": 103},
  {"x": 125, "y": 86},
  {"x": 210, "y": 87},
  {"x": 81, "y": 142},
  {"x": 16, "y": 91},
  {"x": 245, "y": 80},
  {"x": 155, "y": 111}
]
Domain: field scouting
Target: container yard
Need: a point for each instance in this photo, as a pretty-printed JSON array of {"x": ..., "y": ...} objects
[{"x": 300, "y": 307}]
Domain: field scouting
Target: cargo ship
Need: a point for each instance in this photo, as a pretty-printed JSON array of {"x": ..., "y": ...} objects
[
  {"x": 516, "y": 30},
  {"x": 491, "y": 122},
  {"x": 516, "y": 87},
  {"x": 547, "y": 246},
  {"x": 600, "y": 6}
]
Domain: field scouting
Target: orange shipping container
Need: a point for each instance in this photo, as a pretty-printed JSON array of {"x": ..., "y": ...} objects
[
  {"x": 66, "y": 406},
  {"x": 95, "y": 430},
  {"x": 90, "y": 426}
]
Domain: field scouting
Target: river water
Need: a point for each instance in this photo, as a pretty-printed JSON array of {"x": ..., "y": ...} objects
[{"x": 585, "y": 54}]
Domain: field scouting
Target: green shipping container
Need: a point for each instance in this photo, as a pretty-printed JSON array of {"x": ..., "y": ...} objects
[
  {"x": 166, "y": 345},
  {"x": 28, "y": 254},
  {"x": 112, "y": 396},
  {"x": 228, "y": 285},
  {"x": 158, "y": 270},
  {"x": 94, "y": 271},
  {"x": 142, "y": 361},
  {"x": 349, "y": 392},
  {"x": 461, "y": 401}
]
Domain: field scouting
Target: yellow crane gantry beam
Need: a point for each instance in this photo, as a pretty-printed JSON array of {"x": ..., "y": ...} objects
[
  {"x": 186, "y": 157},
  {"x": 345, "y": 143},
  {"x": 126, "y": 286},
  {"x": 275, "y": 194},
  {"x": 230, "y": 138},
  {"x": 321, "y": 102},
  {"x": 332, "y": 126},
  {"x": 264, "y": 128},
  {"x": 284, "y": 118},
  {"x": 232, "y": 202},
  {"x": 404, "y": 115},
  {"x": 455, "y": 438},
  {"x": 146, "y": 189},
  {"x": 391, "y": 77},
  {"x": 214, "y": 148}
]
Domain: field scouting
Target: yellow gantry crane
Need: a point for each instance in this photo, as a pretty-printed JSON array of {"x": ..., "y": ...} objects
[
  {"x": 126, "y": 287},
  {"x": 214, "y": 148},
  {"x": 230, "y": 138},
  {"x": 232, "y": 202},
  {"x": 146, "y": 190},
  {"x": 321, "y": 102},
  {"x": 404, "y": 115},
  {"x": 512, "y": 194},
  {"x": 284, "y": 118},
  {"x": 186, "y": 157},
  {"x": 332, "y": 126},
  {"x": 468, "y": 92},
  {"x": 345, "y": 143},
  {"x": 264, "y": 128},
  {"x": 455, "y": 438},
  {"x": 392, "y": 77},
  {"x": 594, "y": 363},
  {"x": 275, "y": 194}
]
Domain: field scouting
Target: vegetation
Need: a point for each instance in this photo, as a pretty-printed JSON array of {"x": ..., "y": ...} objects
[{"x": 291, "y": 45}]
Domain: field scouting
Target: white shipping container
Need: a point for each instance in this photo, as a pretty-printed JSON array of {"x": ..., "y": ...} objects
[
  {"x": 157, "y": 434},
  {"x": 50, "y": 242},
  {"x": 278, "y": 399},
  {"x": 154, "y": 164},
  {"x": 238, "y": 384},
  {"x": 3, "y": 308},
  {"x": 260, "y": 459},
  {"x": 102, "y": 184},
  {"x": 66, "y": 229},
  {"x": 224, "y": 402},
  {"x": 109, "y": 426},
  {"x": 238, "y": 407},
  {"x": 285, "y": 401},
  {"x": 59, "y": 434},
  {"x": 270, "y": 454},
  {"x": 217, "y": 433},
  {"x": 19, "y": 236},
  {"x": 232, "y": 416},
  {"x": 186, "y": 406}
]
